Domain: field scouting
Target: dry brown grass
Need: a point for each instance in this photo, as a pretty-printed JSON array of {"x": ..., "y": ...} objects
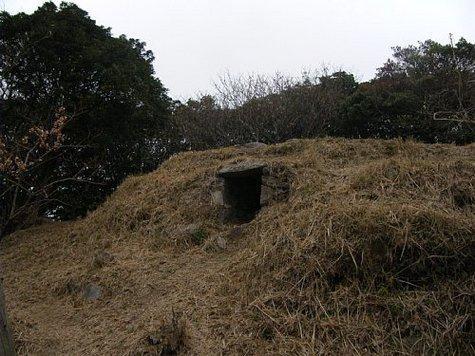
[{"x": 373, "y": 252}]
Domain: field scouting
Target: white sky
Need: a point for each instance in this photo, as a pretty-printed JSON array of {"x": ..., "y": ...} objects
[{"x": 196, "y": 40}]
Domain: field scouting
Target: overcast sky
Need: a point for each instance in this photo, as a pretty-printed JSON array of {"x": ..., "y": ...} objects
[{"x": 196, "y": 40}]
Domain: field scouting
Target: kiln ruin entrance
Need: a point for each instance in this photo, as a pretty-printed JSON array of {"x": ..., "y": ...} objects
[{"x": 242, "y": 190}]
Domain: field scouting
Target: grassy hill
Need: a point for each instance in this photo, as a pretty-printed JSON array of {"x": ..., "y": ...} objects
[{"x": 363, "y": 246}]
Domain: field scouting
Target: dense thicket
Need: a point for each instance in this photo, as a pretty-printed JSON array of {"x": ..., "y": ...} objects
[
  {"x": 58, "y": 58},
  {"x": 426, "y": 92}
]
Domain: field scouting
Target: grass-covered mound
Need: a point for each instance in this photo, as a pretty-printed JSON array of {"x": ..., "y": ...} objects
[{"x": 365, "y": 246}]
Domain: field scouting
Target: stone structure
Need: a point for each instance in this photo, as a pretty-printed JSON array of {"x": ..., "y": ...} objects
[{"x": 242, "y": 190}]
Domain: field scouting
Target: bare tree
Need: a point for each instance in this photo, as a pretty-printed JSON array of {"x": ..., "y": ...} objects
[
  {"x": 26, "y": 189},
  {"x": 234, "y": 91},
  {"x": 263, "y": 108}
]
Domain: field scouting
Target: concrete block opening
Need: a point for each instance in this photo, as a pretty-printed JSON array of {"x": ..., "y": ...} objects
[{"x": 242, "y": 190}]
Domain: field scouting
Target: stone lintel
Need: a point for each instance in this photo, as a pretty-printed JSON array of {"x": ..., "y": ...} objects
[{"x": 241, "y": 170}]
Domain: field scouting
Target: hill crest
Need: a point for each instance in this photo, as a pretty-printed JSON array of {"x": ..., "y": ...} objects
[{"x": 361, "y": 246}]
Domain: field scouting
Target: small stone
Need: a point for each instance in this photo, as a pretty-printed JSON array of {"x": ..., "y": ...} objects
[
  {"x": 101, "y": 258},
  {"x": 152, "y": 340},
  {"x": 188, "y": 230},
  {"x": 217, "y": 197},
  {"x": 221, "y": 243},
  {"x": 236, "y": 231},
  {"x": 215, "y": 244},
  {"x": 92, "y": 291},
  {"x": 252, "y": 145},
  {"x": 266, "y": 195},
  {"x": 192, "y": 229}
]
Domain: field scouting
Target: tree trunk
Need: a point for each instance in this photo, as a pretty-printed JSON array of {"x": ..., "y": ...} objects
[{"x": 6, "y": 344}]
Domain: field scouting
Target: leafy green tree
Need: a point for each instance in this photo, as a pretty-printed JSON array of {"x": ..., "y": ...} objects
[
  {"x": 59, "y": 57},
  {"x": 426, "y": 92}
]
